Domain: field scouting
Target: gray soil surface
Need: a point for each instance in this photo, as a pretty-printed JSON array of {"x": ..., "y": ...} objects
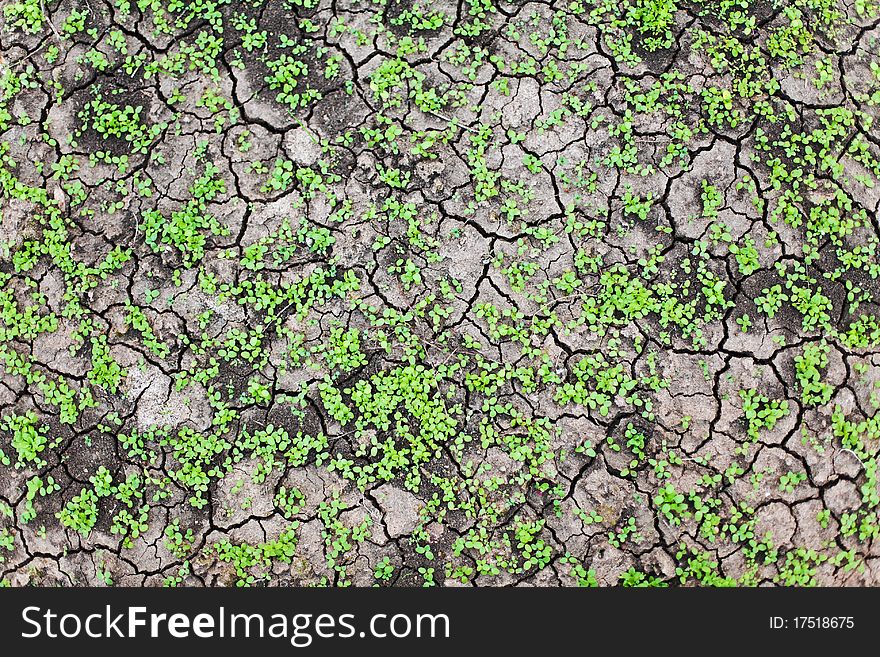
[{"x": 483, "y": 293}]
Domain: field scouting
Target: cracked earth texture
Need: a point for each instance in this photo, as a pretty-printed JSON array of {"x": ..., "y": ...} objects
[{"x": 370, "y": 292}]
